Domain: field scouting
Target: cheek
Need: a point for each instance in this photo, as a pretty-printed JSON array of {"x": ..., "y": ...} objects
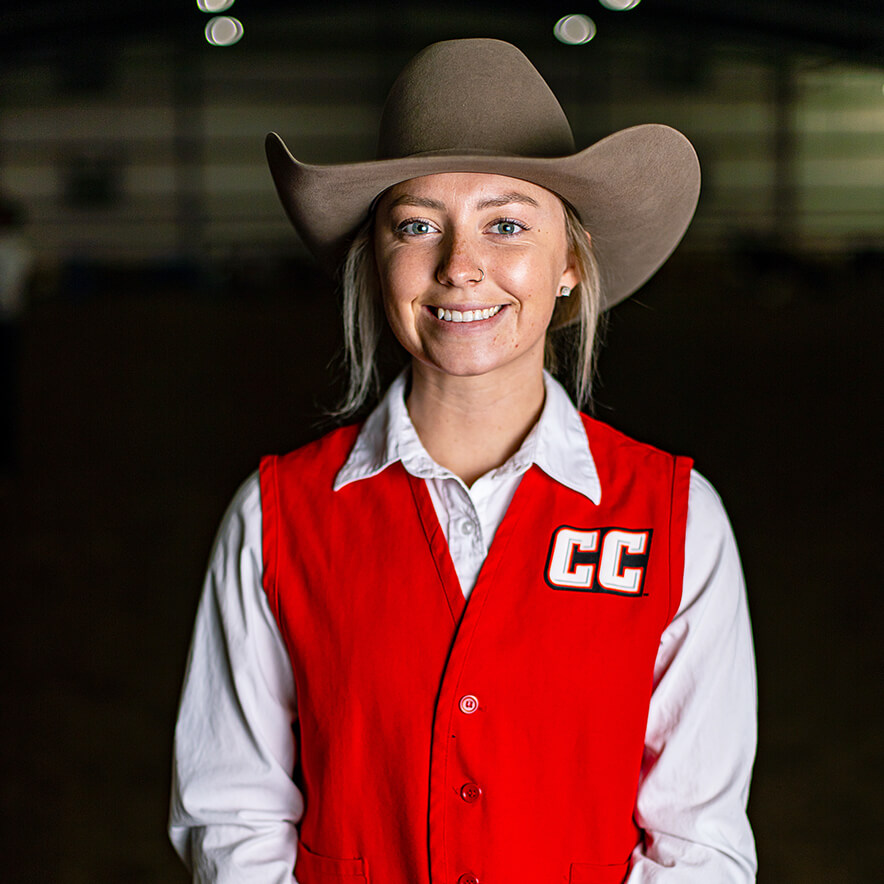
[
  {"x": 534, "y": 282},
  {"x": 394, "y": 288},
  {"x": 394, "y": 310},
  {"x": 521, "y": 275},
  {"x": 400, "y": 272},
  {"x": 397, "y": 299}
]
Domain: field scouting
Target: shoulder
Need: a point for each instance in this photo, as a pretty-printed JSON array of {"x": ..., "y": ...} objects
[
  {"x": 238, "y": 539},
  {"x": 321, "y": 457},
  {"x": 336, "y": 441},
  {"x": 600, "y": 433},
  {"x": 707, "y": 518},
  {"x": 244, "y": 509},
  {"x": 712, "y": 560},
  {"x": 704, "y": 496},
  {"x": 620, "y": 460},
  {"x": 304, "y": 475}
]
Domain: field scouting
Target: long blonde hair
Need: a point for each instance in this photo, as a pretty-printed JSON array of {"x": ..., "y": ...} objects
[{"x": 573, "y": 329}]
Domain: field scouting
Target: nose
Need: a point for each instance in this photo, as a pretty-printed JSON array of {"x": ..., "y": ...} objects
[{"x": 459, "y": 264}]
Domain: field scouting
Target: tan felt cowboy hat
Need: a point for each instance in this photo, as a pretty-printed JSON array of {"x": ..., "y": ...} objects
[{"x": 479, "y": 105}]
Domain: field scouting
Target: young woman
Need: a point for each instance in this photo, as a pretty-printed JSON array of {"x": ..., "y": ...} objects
[{"x": 479, "y": 637}]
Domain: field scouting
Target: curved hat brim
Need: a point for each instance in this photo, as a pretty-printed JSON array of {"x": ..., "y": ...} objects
[{"x": 635, "y": 191}]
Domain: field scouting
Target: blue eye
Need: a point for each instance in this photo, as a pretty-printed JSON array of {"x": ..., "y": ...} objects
[
  {"x": 507, "y": 227},
  {"x": 415, "y": 227}
]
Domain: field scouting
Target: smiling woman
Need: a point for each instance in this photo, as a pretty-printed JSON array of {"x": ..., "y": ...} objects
[
  {"x": 469, "y": 287},
  {"x": 363, "y": 305},
  {"x": 479, "y": 636},
  {"x": 476, "y": 247}
]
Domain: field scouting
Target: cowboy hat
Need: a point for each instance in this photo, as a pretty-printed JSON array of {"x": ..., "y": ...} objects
[{"x": 479, "y": 105}]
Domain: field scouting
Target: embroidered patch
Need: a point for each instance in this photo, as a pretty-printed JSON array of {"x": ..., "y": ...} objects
[{"x": 612, "y": 560}]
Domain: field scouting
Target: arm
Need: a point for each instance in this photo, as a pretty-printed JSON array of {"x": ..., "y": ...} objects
[
  {"x": 700, "y": 740},
  {"x": 234, "y": 805}
]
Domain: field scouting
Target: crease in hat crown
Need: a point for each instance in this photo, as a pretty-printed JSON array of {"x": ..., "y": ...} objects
[
  {"x": 479, "y": 105},
  {"x": 472, "y": 96}
]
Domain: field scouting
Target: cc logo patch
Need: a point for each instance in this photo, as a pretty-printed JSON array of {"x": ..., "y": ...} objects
[{"x": 598, "y": 560}]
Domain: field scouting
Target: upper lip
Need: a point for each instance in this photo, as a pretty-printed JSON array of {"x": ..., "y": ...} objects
[{"x": 463, "y": 307}]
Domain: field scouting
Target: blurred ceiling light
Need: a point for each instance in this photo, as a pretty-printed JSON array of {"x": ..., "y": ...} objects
[
  {"x": 214, "y": 5},
  {"x": 575, "y": 30},
  {"x": 620, "y": 5},
  {"x": 223, "y": 30}
]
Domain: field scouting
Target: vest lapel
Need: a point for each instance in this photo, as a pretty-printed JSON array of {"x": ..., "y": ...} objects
[
  {"x": 438, "y": 547},
  {"x": 442, "y": 556},
  {"x": 497, "y": 550}
]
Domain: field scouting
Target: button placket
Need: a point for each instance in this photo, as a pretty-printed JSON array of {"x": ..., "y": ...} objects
[
  {"x": 463, "y": 516},
  {"x": 465, "y": 533}
]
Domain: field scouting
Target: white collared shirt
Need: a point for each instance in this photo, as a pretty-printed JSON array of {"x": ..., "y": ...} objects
[
  {"x": 234, "y": 805},
  {"x": 470, "y": 516}
]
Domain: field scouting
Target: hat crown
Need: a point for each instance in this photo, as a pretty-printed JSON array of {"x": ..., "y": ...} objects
[{"x": 472, "y": 96}]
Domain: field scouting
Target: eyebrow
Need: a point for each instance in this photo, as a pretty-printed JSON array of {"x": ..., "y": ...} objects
[
  {"x": 406, "y": 199},
  {"x": 504, "y": 199}
]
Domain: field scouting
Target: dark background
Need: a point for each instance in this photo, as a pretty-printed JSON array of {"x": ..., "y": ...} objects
[{"x": 145, "y": 399}]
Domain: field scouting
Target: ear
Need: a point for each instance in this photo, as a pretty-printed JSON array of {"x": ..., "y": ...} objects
[{"x": 571, "y": 275}]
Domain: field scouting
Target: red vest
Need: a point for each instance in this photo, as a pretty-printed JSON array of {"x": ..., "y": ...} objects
[{"x": 493, "y": 741}]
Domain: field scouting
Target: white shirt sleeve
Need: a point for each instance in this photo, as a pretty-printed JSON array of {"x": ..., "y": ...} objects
[
  {"x": 701, "y": 735},
  {"x": 234, "y": 805}
]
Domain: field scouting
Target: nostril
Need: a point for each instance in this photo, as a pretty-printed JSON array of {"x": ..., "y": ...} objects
[{"x": 464, "y": 273}]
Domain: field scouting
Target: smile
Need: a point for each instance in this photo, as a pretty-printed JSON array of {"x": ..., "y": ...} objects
[{"x": 467, "y": 315}]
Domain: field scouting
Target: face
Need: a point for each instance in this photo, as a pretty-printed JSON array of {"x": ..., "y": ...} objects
[{"x": 470, "y": 266}]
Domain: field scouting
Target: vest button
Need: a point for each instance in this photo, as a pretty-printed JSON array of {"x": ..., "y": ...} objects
[
  {"x": 468, "y": 878},
  {"x": 469, "y": 704},
  {"x": 470, "y": 792}
]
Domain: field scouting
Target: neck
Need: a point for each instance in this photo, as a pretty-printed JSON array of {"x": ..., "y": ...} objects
[{"x": 471, "y": 425}]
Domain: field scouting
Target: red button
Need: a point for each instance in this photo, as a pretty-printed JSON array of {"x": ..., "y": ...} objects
[
  {"x": 468, "y": 878},
  {"x": 469, "y": 704},
  {"x": 470, "y": 793}
]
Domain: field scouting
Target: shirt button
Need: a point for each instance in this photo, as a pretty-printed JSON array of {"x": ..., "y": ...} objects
[
  {"x": 467, "y": 527},
  {"x": 469, "y": 704},
  {"x": 468, "y": 878},
  {"x": 470, "y": 792}
]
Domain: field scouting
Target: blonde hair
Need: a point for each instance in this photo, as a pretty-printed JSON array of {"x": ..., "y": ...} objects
[{"x": 571, "y": 344}]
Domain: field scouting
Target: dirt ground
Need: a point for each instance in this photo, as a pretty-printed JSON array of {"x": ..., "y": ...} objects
[{"x": 141, "y": 413}]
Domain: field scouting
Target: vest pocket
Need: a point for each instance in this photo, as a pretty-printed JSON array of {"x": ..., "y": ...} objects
[
  {"x": 593, "y": 873},
  {"x": 312, "y": 868}
]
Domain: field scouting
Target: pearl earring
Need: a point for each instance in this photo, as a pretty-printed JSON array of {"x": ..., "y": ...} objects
[{"x": 565, "y": 291}]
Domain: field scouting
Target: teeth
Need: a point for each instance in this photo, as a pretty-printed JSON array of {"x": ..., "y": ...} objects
[{"x": 466, "y": 315}]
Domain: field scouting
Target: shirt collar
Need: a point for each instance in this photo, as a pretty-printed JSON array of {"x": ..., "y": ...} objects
[{"x": 557, "y": 444}]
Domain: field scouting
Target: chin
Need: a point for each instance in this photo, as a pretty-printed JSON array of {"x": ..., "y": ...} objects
[{"x": 470, "y": 366}]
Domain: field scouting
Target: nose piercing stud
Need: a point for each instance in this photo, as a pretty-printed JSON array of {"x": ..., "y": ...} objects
[{"x": 482, "y": 276}]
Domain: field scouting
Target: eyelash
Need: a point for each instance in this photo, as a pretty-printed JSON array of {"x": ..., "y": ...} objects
[
  {"x": 522, "y": 227},
  {"x": 402, "y": 228}
]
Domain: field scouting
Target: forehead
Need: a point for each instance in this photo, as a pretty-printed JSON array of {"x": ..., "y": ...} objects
[{"x": 470, "y": 189}]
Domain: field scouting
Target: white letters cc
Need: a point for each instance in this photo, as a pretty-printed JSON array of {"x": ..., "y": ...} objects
[{"x": 612, "y": 560}]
